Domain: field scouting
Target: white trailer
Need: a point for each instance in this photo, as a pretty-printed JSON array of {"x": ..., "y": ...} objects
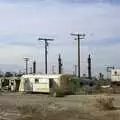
[
  {"x": 115, "y": 80},
  {"x": 45, "y": 83},
  {"x": 115, "y": 75}
]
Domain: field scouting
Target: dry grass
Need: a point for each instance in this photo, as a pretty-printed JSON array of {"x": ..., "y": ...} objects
[
  {"x": 25, "y": 109},
  {"x": 30, "y": 112},
  {"x": 105, "y": 103}
]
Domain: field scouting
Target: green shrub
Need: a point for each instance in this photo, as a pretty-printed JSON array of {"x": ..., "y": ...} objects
[{"x": 57, "y": 93}]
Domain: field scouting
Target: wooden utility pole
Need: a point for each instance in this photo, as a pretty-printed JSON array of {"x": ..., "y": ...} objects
[
  {"x": 79, "y": 37},
  {"x": 46, "y": 51}
]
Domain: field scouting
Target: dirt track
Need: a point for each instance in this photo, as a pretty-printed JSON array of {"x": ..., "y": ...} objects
[{"x": 16, "y": 106}]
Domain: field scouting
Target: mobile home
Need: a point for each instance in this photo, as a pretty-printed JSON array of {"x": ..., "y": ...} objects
[
  {"x": 10, "y": 83},
  {"x": 115, "y": 75},
  {"x": 45, "y": 83}
]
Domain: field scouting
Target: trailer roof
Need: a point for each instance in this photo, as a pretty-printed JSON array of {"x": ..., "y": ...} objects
[{"x": 43, "y": 76}]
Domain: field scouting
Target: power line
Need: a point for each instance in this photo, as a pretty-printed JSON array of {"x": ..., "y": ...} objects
[
  {"x": 46, "y": 50},
  {"x": 79, "y": 37}
]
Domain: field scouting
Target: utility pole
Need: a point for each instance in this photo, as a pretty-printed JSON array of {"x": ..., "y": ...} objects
[
  {"x": 34, "y": 67},
  {"x": 30, "y": 70},
  {"x": 60, "y": 64},
  {"x": 53, "y": 69},
  {"x": 75, "y": 70},
  {"x": 89, "y": 67},
  {"x": 46, "y": 50},
  {"x": 79, "y": 37},
  {"x": 26, "y": 62}
]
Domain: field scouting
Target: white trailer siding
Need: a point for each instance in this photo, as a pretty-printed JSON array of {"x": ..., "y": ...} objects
[{"x": 41, "y": 86}]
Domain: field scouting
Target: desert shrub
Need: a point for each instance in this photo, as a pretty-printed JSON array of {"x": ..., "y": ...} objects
[{"x": 105, "y": 103}]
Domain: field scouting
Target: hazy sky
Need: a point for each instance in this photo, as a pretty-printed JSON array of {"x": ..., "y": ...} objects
[{"x": 22, "y": 21}]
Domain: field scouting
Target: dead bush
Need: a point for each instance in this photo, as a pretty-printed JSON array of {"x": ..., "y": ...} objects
[{"x": 105, "y": 103}]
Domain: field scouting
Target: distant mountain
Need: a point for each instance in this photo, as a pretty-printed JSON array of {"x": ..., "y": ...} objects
[{"x": 9, "y": 67}]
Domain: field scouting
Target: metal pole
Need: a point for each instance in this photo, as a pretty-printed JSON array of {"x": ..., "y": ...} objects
[
  {"x": 34, "y": 67},
  {"x": 75, "y": 69},
  {"x": 89, "y": 67},
  {"x": 53, "y": 69},
  {"x": 26, "y": 60},
  {"x": 78, "y": 55},
  {"x": 60, "y": 64},
  {"x": 46, "y": 44}
]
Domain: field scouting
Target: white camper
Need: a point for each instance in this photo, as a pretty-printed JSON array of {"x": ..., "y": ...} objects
[
  {"x": 115, "y": 80},
  {"x": 45, "y": 83},
  {"x": 115, "y": 75}
]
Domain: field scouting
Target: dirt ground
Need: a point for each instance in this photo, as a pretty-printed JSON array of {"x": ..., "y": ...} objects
[{"x": 17, "y": 106}]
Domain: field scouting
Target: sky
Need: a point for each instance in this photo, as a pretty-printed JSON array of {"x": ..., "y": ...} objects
[{"x": 23, "y": 21}]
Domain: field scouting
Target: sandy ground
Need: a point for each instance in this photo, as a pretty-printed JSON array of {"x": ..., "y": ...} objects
[{"x": 17, "y": 106}]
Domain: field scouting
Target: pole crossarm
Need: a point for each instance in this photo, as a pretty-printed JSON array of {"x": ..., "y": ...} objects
[{"x": 45, "y": 39}]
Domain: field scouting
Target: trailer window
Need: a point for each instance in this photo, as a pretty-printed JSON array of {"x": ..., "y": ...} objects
[
  {"x": 115, "y": 72},
  {"x": 36, "y": 81},
  {"x": 26, "y": 80}
]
